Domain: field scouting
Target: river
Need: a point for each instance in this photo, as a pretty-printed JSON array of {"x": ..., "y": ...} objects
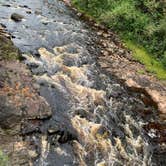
[{"x": 94, "y": 119}]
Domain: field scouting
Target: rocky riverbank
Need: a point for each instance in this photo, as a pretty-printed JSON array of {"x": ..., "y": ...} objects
[
  {"x": 117, "y": 60},
  {"x": 22, "y": 110}
]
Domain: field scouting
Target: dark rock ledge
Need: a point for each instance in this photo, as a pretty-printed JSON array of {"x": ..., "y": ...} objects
[{"x": 20, "y": 104}]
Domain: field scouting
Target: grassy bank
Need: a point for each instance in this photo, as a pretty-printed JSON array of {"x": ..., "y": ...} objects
[
  {"x": 152, "y": 65},
  {"x": 141, "y": 24}
]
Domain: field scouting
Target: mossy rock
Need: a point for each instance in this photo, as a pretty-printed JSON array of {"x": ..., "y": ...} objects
[{"x": 7, "y": 50}]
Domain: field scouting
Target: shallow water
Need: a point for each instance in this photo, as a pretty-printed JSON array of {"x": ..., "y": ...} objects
[{"x": 95, "y": 119}]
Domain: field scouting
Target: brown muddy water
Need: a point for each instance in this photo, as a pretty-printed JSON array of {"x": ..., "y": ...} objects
[{"x": 95, "y": 120}]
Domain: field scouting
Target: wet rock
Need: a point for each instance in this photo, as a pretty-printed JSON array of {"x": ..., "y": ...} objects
[
  {"x": 38, "y": 12},
  {"x": 143, "y": 112},
  {"x": 114, "y": 91},
  {"x": 53, "y": 130},
  {"x": 2, "y": 26},
  {"x": 61, "y": 136},
  {"x": 159, "y": 155},
  {"x": 28, "y": 12},
  {"x": 156, "y": 131},
  {"x": 38, "y": 109},
  {"x": 151, "y": 96},
  {"x": 24, "y": 6},
  {"x": 13, "y": 37},
  {"x": 158, "y": 99},
  {"x": 133, "y": 85},
  {"x": 45, "y": 23},
  {"x": 101, "y": 164},
  {"x": 33, "y": 154},
  {"x": 66, "y": 136},
  {"x": 146, "y": 100},
  {"x": 17, "y": 17},
  {"x": 31, "y": 126},
  {"x": 10, "y": 116},
  {"x": 6, "y": 5},
  {"x": 83, "y": 113}
]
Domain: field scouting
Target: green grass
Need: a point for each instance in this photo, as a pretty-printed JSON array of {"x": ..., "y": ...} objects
[
  {"x": 141, "y": 71},
  {"x": 152, "y": 65}
]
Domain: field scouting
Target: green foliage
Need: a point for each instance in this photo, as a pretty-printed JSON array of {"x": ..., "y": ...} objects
[
  {"x": 141, "y": 21},
  {"x": 3, "y": 159},
  {"x": 92, "y": 7}
]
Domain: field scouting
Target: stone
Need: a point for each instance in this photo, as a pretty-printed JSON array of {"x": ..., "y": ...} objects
[
  {"x": 6, "y": 5},
  {"x": 157, "y": 131},
  {"x": 66, "y": 136},
  {"x": 32, "y": 153},
  {"x": 53, "y": 130},
  {"x": 17, "y": 17},
  {"x": 10, "y": 116},
  {"x": 45, "y": 23},
  {"x": 101, "y": 163},
  {"x": 130, "y": 83},
  {"x": 28, "y": 12},
  {"x": 38, "y": 12},
  {"x": 158, "y": 99},
  {"x": 31, "y": 126}
]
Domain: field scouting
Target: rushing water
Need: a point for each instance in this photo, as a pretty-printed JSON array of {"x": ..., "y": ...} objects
[{"x": 95, "y": 119}]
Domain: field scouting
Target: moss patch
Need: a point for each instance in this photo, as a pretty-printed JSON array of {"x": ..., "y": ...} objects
[{"x": 7, "y": 50}]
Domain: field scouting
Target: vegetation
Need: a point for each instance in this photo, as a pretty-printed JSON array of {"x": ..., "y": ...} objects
[
  {"x": 138, "y": 22},
  {"x": 152, "y": 65},
  {"x": 7, "y": 50},
  {"x": 3, "y": 159}
]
